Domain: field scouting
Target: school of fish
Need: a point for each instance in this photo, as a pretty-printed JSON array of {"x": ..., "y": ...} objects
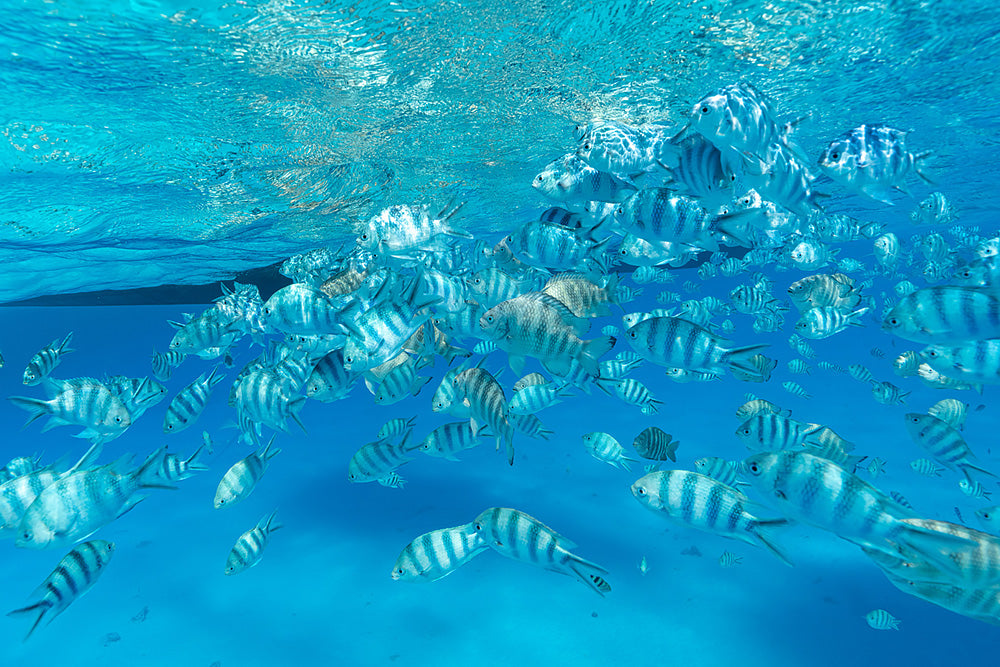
[{"x": 726, "y": 193}]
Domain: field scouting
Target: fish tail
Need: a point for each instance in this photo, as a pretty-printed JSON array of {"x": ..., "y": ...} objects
[
  {"x": 739, "y": 358},
  {"x": 293, "y": 411},
  {"x": 594, "y": 350},
  {"x": 36, "y": 407},
  {"x": 40, "y": 607},
  {"x": 933, "y": 545},
  {"x": 145, "y": 475},
  {"x": 269, "y": 453},
  {"x": 855, "y": 317},
  {"x": 762, "y": 529},
  {"x": 64, "y": 346},
  {"x": 590, "y": 574},
  {"x": 194, "y": 463},
  {"x": 267, "y": 524},
  {"x": 916, "y": 166}
]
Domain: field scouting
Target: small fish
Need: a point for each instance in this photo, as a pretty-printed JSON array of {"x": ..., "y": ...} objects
[
  {"x": 604, "y": 447},
  {"x": 728, "y": 559},
  {"x": 958, "y": 515},
  {"x": 876, "y": 467},
  {"x": 395, "y": 427},
  {"x": 795, "y": 389},
  {"x": 877, "y": 353},
  {"x": 240, "y": 480},
  {"x": 656, "y": 445},
  {"x": 880, "y": 619},
  {"x": 901, "y": 499},
  {"x": 799, "y": 367},
  {"x": 643, "y": 566},
  {"x": 190, "y": 402},
  {"x": 76, "y": 573},
  {"x": 249, "y": 547},
  {"x": 437, "y": 554},
  {"x": 392, "y": 480},
  {"x": 926, "y": 467},
  {"x": 141, "y": 616},
  {"x": 974, "y": 489},
  {"x": 989, "y": 517},
  {"x": 46, "y": 359}
]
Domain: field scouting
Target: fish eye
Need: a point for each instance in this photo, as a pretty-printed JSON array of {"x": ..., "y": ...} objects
[
  {"x": 640, "y": 490},
  {"x": 538, "y": 178},
  {"x": 893, "y": 321},
  {"x": 631, "y": 334},
  {"x": 985, "y": 514},
  {"x": 620, "y": 210},
  {"x": 118, "y": 419},
  {"x": 754, "y": 468},
  {"x": 746, "y": 431},
  {"x": 704, "y": 109},
  {"x": 586, "y": 146},
  {"x": 222, "y": 501},
  {"x": 834, "y": 155},
  {"x": 399, "y": 570},
  {"x": 26, "y": 535},
  {"x": 364, "y": 237}
]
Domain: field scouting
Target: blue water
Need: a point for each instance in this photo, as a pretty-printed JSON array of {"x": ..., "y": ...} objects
[{"x": 147, "y": 143}]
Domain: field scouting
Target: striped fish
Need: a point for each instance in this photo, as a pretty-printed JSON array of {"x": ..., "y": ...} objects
[
  {"x": 581, "y": 295},
  {"x": 138, "y": 394},
  {"x": 616, "y": 369},
  {"x": 164, "y": 364},
  {"x": 757, "y": 406},
  {"x": 447, "y": 440},
  {"x": 570, "y": 180},
  {"x": 380, "y": 332},
  {"x": 76, "y": 573},
  {"x": 446, "y": 398},
  {"x": 634, "y": 393},
  {"x": 538, "y": 397},
  {"x": 943, "y": 443},
  {"x": 677, "y": 343},
  {"x": 261, "y": 398},
  {"x": 823, "y": 322},
  {"x": 880, "y": 619},
  {"x": 46, "y": 359},
  {"x": 656, "y": 445},
  {"x": 530, "y": 380},
  {"x": 329, "y": 381},
  {"x": 18, "y": 466},
  {"x": 795, "y": 389},
  {"x": 523, "y": 538},
  {"x": 82, "y": 401},
  {"x": 398, "y": 383},
  {"x": 190, "y": 402},
  {"x": 240, "y": 480},
  {"x": 306, "y": 310},
  {"x": 945, "y": 315},
  {"x": 82, "y": 501},
  {"x": 887, "y": 393},
  {"x": 487, "y": 405},
  {"x": 951, "y": 411},
  {"x": 530, "y": 425},
  {"x": 377, "y": 459},
  {"x": 17, "y": 495},
  {"x": 698, "y": 501},
  {"x": 249, "y": 547},
  {"x": 395, "y": 427},
  {"x": 925, "y": 467},
  {"x": 212, "y": 329},
  {"x": 175, "y": 469},
  {"x": 437, "y": 554},
  {"x": 604, "y": 447},
  {"x": 818, "y": 492},
  {"x": 719, "y": 469},
  {"x": 976, "y": 362},
  {"x": 836, "y": 290},
  {"x": 769, "y": 431}
]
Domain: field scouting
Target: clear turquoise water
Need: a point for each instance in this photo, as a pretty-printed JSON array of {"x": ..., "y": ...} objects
[{"x": 147, "y": 143}]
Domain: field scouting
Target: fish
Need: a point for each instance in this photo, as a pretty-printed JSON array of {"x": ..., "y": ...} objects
[
  {"x": 660, "y": 215},
  {"x": 377, "y": 459},
  {"x": 824, "y": 290},
  {"x": 83, "y": 500},
  {"x": 943, "y": 443},
  {"x": 635, "y": 393},
  {"x": 880, "y": 619},
  {"x": 46, "y": 359},
  {"x": 655, "y": 445},
  {"x": 817, "y": 492},
  {"x": 677, "y": 343},
  {"x": 643, "y": 566},
  {"x": 975, "y": 362},
  {"x": 242, "y": 477},
  {"x": 872, "y": 160},
  {"x": 570, "y": 180},
  {"x": 173, "y": 468},
  {"x": 190, "y": 402},
  {"x": 951, "y": 411},
  {"x": 438, "y": 553},
  {"x": 447, "y": 440},
  {"x": 698, "y": 501},
  {"x": 718, "y": 469},
  {"x": 487, "y": 405},
  {"x": 757, "y": 406},
  {"x": 728, "y": 559},
  {"x": 818, "y": 323},
  {"x": 945, "y": 315},
  {"x": 75, "y": 574},
  {"x": 521, "y": 537},
  {"x": 795, "y": 389},
  {"x": 395, "y": 427},
  {"x": 926, "y": 467},
  {"x": 887, "y": 393},
  {"x": 164, "y": 364},
  {"x": 604, "y": 447},
  {"x": 538, "y": 397},
  {"x": 769, "y": 431},
  {"x": 249, "y": 547},
  {"x": 87, "y": 402}
]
